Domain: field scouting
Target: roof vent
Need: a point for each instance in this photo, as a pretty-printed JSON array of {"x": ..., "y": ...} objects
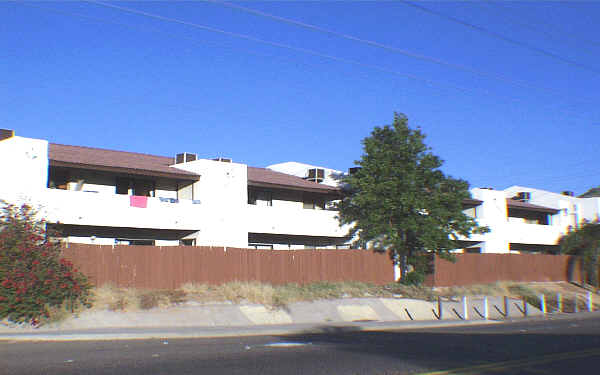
[
  {"x": 223, "y": 160},
  {"x": 6, "y": 133},
  {"x": 316, "y": 175},
  {"x": 567, "y": 193},
  {"x": 523, "y": 196},
  {"x": 184, "y": 157}
]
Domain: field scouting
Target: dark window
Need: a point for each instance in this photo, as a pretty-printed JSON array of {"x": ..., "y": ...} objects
[
  {"x": 144, "y": 188},
  {"x": 124, "y": 241},
  {"x": 122, "y": 185},
  {"x": 58, "y": 179},
  {"x": 260, "y": 197},
  {"x": 313, "y": 202}
]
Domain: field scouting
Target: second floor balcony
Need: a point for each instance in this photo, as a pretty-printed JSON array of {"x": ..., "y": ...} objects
[
  {"x": 116, "y": 210},
  {"x": 294, "y": 221}
]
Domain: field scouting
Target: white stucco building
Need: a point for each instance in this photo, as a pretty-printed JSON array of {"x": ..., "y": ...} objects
[
  {"x": 520, "y": 219},
  {"x": 102, "y": 196},
  {"x": 114, "y": 197}
]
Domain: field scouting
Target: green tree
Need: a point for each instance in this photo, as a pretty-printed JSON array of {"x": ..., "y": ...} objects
[
  {"x": 400, "y": 201},
  {"x": 33, "y": 276},
  {"x": 585, "y": 242}
]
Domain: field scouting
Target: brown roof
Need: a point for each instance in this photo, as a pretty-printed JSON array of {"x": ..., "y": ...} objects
[
  {"x": 470, "y": 202},
  {"x": 268, "y": 178},
  {"x": 511, "y": 203},
  {"x": 115, "y": 161}
]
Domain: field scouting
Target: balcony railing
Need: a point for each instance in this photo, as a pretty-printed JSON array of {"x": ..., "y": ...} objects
[
  {"x": 89, "y": 208},
  {"x": 294, "y": 221}
]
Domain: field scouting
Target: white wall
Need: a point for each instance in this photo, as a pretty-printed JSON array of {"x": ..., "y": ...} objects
[
  {"x": 493, "y": 213},
  {"x": 223, "y": 191},
  {"x": 573, "y": 210},
  {"x": 296, "y": 221},
  {"x": 83, "y": 208},
  {"x": 24, "y": 165}
]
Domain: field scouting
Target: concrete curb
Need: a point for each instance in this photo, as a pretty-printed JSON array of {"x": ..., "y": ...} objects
[
  {"x": 141, "y": 333},
  {"x": 227, "y": 320}
]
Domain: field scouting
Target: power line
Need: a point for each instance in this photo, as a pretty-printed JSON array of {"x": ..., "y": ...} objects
[
  {"x": 247, "y": 37},
  {"x": 383, "y": 46},
  {"x": 271, "y": 43},
  {"x": 549, "y": 34},
  {"x": 499, "y": 36},
  {"x": 290, "y": 47}
]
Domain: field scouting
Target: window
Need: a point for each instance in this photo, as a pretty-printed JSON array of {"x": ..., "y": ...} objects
[
  {"x": 125, "y": 241},
  {"x": 260, "y": 197},
  {"x": 260, "y": 246},
  {"x": 188, "y": 242},
  {"x": 139, "y": 187},
  {"x": 122, "y": 186},
  {"x": 313, "y": 202},
  {"x": 58, "y": 179}
]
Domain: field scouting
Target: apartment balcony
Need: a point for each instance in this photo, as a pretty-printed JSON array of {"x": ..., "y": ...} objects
[
  {"x": 100, "y": 209},
  {"x": 533, "y": 233},
  {"x": 293, "y": 221}
]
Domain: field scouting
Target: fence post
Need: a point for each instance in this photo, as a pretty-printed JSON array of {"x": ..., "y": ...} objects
[
  {"x": 439, "y": 307},
  {"x": 543, "y": 303},
  {"x": 589, "y": 301},
  {"x": 465, "y": 308},
  {"x": 506, "y": 307},
  {"x": 559, "y": 302},
  {"x": 486, "y": 313}
]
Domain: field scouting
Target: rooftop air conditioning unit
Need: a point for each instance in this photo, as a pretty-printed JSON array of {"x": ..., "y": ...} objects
[
  {"x": 523, "y": 196},
  {"x": 6, "y": 133},
  {"x": 184, "y": 157},
  {"x": 567, "y": 193},
  {"x": 223, "y": 160},
  {"x": 316, "y": 175},
  {"x": 353, "y": 170}
]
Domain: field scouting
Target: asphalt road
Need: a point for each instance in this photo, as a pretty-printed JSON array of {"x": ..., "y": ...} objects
[{"x": 551, "y": 346}]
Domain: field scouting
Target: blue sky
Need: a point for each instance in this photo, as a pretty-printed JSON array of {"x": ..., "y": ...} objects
[{"x": 507, "y": 92}]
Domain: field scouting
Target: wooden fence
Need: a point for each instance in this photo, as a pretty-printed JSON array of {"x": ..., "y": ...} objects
[
  {"x": 169, "y": 267},
  {"x": 472, "y": 269}
]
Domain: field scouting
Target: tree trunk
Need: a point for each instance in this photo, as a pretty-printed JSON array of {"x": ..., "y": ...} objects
[
  {"x": 593, "y": 267},
  {"x": 403, "y": 266}
]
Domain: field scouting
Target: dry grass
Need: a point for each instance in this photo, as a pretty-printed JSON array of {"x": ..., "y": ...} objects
[{"x": 108, "y": 297}]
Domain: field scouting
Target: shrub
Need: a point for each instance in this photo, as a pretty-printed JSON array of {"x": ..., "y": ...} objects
[
  {"x": 33, "y": 276},
  {"x": 415, "y": 277}
]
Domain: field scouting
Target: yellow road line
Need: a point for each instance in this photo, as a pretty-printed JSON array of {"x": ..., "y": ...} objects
[{"x": 519, "y": 363}]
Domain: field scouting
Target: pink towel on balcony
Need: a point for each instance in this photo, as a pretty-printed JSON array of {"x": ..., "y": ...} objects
[{"x": 138, "y": 201}]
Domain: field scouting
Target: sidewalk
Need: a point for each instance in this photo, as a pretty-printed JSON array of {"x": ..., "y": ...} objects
[{"x": 220, "y": 320}]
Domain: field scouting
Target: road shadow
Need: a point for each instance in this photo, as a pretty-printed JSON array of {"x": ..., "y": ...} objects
[{"x": 522, "y": 348}]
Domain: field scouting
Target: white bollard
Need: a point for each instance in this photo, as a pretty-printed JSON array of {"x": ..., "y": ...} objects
[
  {"x": 543, "y": 303},
  {"x": 589, "y": 302},
  {"x": 485, "y": 308},
  {"x": 465, "y": 308}
]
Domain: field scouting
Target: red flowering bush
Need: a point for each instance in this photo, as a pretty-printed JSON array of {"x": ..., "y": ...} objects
[{"x": 33, "y": 276}]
